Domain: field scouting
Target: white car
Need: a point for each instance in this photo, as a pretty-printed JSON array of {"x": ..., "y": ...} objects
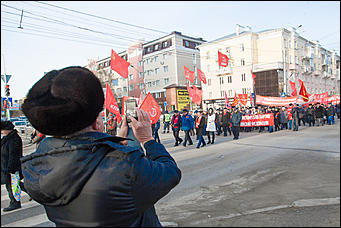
[{"x": 21, "y": 126}]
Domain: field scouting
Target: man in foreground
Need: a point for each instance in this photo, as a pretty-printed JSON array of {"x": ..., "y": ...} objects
[{"x": 85, "y": 177}]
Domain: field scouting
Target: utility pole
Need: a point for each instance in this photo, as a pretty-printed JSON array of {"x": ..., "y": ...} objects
[{"x": 284, "y": 71}]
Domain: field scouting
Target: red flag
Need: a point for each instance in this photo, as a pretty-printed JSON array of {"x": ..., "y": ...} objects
[
  {"x": 119, "y": 65},
  {"x": 227, "y": 101},
  {"x": 293, "y": 87},
  {"x": 223, "y": 60},
  {"x": 196, "y": 95},
  {"x": 235, "y": 100},
  {"x": 150, "y": 106},
  {"x": 189, "y": 74},
  {"x": 242, "y": 99},
  {"x": 111, "y": 104},
  {"x": 300, "y": 81},
  {"x": 202, "y": 76},
  {"x": 253, "y": 76},
  {"x": 303, "y": 92}
]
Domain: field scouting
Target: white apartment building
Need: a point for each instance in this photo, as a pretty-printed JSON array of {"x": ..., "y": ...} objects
[{"x": 275, "y": 56}]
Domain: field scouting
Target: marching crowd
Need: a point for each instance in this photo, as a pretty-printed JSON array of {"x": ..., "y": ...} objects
[{"x": 212, "y": 123}]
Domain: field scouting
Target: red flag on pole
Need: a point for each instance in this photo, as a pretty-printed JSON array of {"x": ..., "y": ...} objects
[
  {"x": 303, "y": 92},
  {"x": 119, "y": 65},
  {"x": 111, "y": 104},
  {"x": 293, "y": 87},
  {"x": 223, "y": 60},
  {"x": 227, "y": 103},
  {"x": 123, "y": 101},
  {"x": 202, "y": 76},
  {"x": 253, "y": 76},
  {"x": 242, "y": 99},
  {"x": 189, "y": 74},
  {"x": 300, "y": 81},
  {"x": 196, "y": 95},
  {"x": 150, "y": 106},
  {"x": 235, "y": 100}
]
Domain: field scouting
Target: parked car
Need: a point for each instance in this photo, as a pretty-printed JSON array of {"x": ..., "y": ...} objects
[{"x": 21, "y": 126}]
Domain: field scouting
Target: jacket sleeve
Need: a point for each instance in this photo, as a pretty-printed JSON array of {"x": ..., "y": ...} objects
[
  {"x": 14, "y": 153},
  {"x": 155, "y": 175}
]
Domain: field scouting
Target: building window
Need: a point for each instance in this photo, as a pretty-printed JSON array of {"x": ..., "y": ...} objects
[
  {"x": 166, "y": 81},
  {"x": 241, "y": 47},
  {"x": 131, "y": 76},
  {"x": 165, "y": 69},
  {"x": 156, "y": 58},
  {"x": 221, "y": 80},
  {"x": 149, "y": 49},
  {"x": 208, "y": 68},
  {"x": 141, "y": 74},
  {"x": 186, "y": 43},
  {"x": 296, "y": 60},
  {"x": 141, "y": 85},
  {"x": 164, "y": 56},
  {"x": 243, "y": 77},
  {"x": 131, "y": 88},
  {"x": 210, "y": 94},
  {"x": 289, "y": 43},
  {"x": 222, "y": 93},
  {"x": 244, "y": 90},
  {"x": 295, "y": 44},
  {"x": 209, "y": 81},
  {"x": 140, "y": 63},
  {"x": 207, "y": 55},
  {"x": 230, "y": 92},
  {"x": 290, "y": 59},
  {"x": 156, "y": 47},
  {"x": 242, "y": 62},
  {"x": 156, "y": 70},
  {"x": 115, "y": 82},
  {"x": 149, "y": 84},
  {"x": 229, "y": 79},
  {"x": 147, "y": 61},
  {"x": 157, "y": 82},
  {"x": 285, "y": 43},
  {"x": 164, "y": 44},
  {"x": 124, "y": 89}
]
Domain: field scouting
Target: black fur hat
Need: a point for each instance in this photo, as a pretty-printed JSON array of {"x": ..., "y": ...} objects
[
  {"x": 64, "y": 101},
  {"x": 7, "y": 125}
]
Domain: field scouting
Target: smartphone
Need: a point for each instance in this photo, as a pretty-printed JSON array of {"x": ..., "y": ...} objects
[{"x": 130, "y": 107}]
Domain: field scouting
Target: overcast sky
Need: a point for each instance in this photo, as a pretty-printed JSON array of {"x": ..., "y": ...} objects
[{"x": 53, "y": 35}]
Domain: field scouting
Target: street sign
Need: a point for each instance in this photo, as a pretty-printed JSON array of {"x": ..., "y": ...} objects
[
  {"x": 283, "y": 94},
  {"x": 6, "y": 103},
  {"x": 7, "y": 78}
]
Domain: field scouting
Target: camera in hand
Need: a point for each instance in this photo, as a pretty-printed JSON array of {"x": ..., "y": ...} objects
[{"x": 130, "y": 107}]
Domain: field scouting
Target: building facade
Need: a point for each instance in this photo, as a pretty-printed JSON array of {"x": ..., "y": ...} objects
[
  {"x": 156, "y": 65},
  {"x": 275, "y": 56}
]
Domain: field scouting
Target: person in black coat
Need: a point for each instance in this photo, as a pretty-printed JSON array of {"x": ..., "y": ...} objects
[
  {"x": 11, "y": 152},
  {"x": 82, "y": 175},
  {"x": 199, "y": 125},
  {"x": 225, "y": 121}
]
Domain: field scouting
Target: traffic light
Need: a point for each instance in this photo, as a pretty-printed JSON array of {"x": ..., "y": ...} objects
[{"x": 7, "y": 90}]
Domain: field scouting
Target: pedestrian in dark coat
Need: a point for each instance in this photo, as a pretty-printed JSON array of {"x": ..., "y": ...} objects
[
  {"x": 283, "y": 118},
  {"x": 83, "y": 176},
  {"x": 226, "y": 118},
  {"x": 199, "y": 125},
  {"x": 295, "y": 117},
  {"x": 235, "y": 121},
  {"x": 176, "y": 125},
  {"x": 319, "y": 113},
  {"x": 311, "y": 115},
  {"x": 11, "y": 152}
]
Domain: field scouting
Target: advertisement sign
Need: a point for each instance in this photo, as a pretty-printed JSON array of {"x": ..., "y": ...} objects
[
  {"x": 182, "y": 98},
  {"x": 257, "y": 120}
]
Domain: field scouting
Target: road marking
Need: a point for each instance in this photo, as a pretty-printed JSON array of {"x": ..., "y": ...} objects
[{"x": 28, "y": 222}]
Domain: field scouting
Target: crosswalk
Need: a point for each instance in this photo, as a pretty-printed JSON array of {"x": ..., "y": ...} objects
[{"x": 31, "y": 213}]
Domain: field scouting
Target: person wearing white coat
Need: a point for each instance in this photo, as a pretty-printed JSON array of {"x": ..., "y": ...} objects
[{"x": 211, "y": 128}]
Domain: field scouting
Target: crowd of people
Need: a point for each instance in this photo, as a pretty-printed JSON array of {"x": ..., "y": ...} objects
[{"x": 224, "y": 121}]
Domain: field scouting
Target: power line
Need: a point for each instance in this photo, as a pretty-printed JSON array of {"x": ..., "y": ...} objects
[
  {"x": 100, "y": 23},
  {"x": 136, "y": 26}
]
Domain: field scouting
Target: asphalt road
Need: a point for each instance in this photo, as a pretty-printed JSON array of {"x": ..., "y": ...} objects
[{"x": 284, "y": 178}]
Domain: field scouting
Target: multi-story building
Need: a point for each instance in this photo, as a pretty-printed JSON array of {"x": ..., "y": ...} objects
[
  {"x": 159, "y": 65},
  {"x": 275, "y": 56}
]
